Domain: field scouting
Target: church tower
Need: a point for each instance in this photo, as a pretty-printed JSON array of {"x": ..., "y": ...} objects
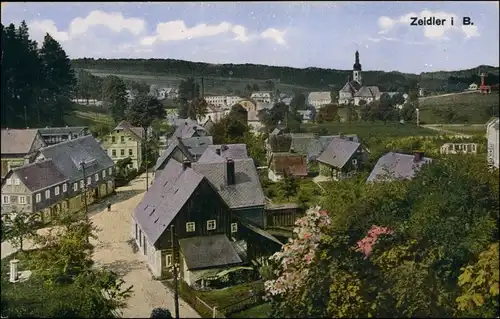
[{"x": 356, "y": 69}]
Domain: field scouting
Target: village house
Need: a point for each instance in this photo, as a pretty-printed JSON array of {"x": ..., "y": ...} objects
[
  {"x": 19, "y": 147},
  {"x": 492, "y": 132},
  {"x": 185, "y": 128},
  {"x": 248, "y": 105},
  {"x": 54, "y": 135},
  {"x": 394, "y": 166},
  {"x": 284, "y": 163},
  {"x": 222, "y": 100},
  {"x": 318, "y": 99},
  {"x": 459, "y": 148},
  {"x": 214, "y": 114},
  {"x": 215, "y": 208},
  {"x": 125, "y": 141},
  {"x": 59, "y": 178},
  {"x": 262, "y": 96},
  {"x": 341, "y": 159}
]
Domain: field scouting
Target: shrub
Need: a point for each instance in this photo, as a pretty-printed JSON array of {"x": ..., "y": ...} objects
[{"x": 161, "y": 313}]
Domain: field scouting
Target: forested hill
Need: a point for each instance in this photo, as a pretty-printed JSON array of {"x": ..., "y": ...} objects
[{"x": 309, "y": 77}]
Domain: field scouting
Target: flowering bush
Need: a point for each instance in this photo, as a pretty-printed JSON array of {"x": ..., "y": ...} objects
[
  {"x": 366, "y": 244},
  {"x": 295, "y": 256}
]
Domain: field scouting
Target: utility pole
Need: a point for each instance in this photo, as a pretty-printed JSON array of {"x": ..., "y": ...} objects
[
  {"x": 418, "y": 116},
  {"x": 174, "y": 272}
]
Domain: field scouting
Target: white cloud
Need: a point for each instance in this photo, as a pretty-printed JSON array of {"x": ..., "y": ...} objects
[
  {"x": 80, "y": 26},
  {"x": 114, "y": 21},
  {"x": 386, "y": 24},
  {"x": 277, "y": 35},
  {"x": 178, "y": 30}
]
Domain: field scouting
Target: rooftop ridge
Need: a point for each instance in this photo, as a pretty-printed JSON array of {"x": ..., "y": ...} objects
[
  {"x": 31, "y": 164},
  {"x": 66, "y": 142}
]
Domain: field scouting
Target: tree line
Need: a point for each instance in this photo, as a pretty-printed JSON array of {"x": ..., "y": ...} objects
[
  {"x": 314, "y": 78},
  {"x": 37, "y": 82}
]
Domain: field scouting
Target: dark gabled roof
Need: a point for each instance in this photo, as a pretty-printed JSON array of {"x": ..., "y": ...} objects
[
  {"x": 197, "y": 144},
  {"x": 338, "y": 152},
  {"x": 39, "y": 175},
  {"x": 210, "y": 156},
  {"x": 392, "y": 166},
  {"x": 174, "y": 143},
  {"x": 61, "y": 130},
  {"x": 17, "y": 141},
  {"x": 351, "y": 86},
  {"x": 368, "y": 91},
  {"x": 209, "y": 125},
  {"x": 262, "y": 232},
  {"x": 137, "y": 132},
  {"x": 167, "y": 195},
  {"x": 292, "y": 163},
  {"x": 234, "y": 151},
  {"x": 68, "y": 155},
  {"x": 185, "y": 128},
  {"x": 203, "y": 252},
  {"x": 246, "y": 192}
]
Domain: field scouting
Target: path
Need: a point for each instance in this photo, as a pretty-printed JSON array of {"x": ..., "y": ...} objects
[
  {"x": 443, "y": 95},
  {"x": 438, "y": 128},
  {"x": 113, "y": 251}
]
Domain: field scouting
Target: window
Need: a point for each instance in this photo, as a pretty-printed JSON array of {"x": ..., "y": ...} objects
[
  {"x": 113, "y": 139},
  {"x": 130, "y": 153},
  {"x": 82, "y": 184},
  {"x": 17, "y": 181},
  {"x": 110, "y": 170},
  {"x": 122, "y": 152},
  {"x": 122, "y": 139},
  {"x": 75, "y": 187},
  {"x": 104, "y": 174},
  {"x": 113, "y": 153},
  {"x": 234, "y": 227},
  {"x": 89, "y": 180},
  {"x": 190, "y": 227},
  {"x": 65, "y": 187},
  {"x": 47, "y": 194},
  {"x": 354, "y": 161},
  {"x": 38, "y": 198},
  {"x": 9, "y": 181},
  {"x": 211, "y": 224},
  {"x": 130, "y": 138},
  {"x": 5, "y": 199},
  {"x": 22, "y": 199},
  {"x": 96, "y": 177},
  {"x": 168, "y": 260},
  {"x": 56, "y": 190}
]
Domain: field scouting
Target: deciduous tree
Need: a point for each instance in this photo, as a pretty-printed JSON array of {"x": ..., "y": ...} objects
[{"x": 114, "y": 93}]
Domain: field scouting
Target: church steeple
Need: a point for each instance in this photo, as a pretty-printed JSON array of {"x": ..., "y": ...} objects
[{"x": 356, "y": 68}]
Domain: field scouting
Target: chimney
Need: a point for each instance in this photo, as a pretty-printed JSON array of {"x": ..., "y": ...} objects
[
  {"x": 217, "y": 151},
  {"x": 418, "y": 156},
  {"x": 186, "y": 164},
  {"x": 230, "y": 172}
]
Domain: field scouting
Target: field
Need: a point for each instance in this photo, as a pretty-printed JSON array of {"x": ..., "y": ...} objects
[
  {"x": 471, "y": 129},
  {"x": 84, "y": 115},
  {"x": 470, "y": 108},
  {"x": 260, "y": 311},
  {"x": 213, "y": 85},
  {"x": 367, "y": 130}
]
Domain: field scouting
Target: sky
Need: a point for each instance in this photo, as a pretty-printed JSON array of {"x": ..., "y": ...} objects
[{"x": 296, "y": 34}]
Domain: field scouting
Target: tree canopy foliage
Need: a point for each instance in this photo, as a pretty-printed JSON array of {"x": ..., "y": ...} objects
[
  {"x": 37, "y": 83},
  {"x": 421, "y": 248}
]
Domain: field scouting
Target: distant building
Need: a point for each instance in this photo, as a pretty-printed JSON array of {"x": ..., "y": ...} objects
[
  {"x": 307, "y": 115},
  {"x": 263, "y": 96},
  {"x": 459, "y": 148},
  {"x": 341, "y": 159},
  {"x": 473, "y": 87},
  {"x": 125, "y": 141},
  {"x": 214, "y": 113},
  {"x": 222, "y": 100},
  {"x": 318, "y": 99}
]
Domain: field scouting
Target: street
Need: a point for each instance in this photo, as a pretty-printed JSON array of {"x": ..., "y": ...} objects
[{"x": 113, "y": 251}]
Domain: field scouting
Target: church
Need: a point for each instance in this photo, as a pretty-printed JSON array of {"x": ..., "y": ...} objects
[{"x": 353, "y": 91}]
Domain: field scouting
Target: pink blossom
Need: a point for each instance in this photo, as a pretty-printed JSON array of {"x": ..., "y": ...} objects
[{"x": 366, "y": 244}]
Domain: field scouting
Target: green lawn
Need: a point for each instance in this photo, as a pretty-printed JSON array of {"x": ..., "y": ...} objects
[
  {"x": 260, "y": 311},
  {"x": 465, "y": 129},
  {"x": 470, "y": 108},
  {"x": 366, "y": 130},
  {"x": 213, "y": 85},
  {"x": 84, "y": 115},
  {"x": 308, "y": 191}
]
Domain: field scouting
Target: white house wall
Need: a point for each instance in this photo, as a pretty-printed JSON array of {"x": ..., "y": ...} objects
[
  {"x": 273, "y": 176},
  {"x": 153, "y": 256}
]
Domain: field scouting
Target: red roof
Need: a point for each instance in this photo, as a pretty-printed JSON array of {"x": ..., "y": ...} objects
[{"x": 293, "y": 163}]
